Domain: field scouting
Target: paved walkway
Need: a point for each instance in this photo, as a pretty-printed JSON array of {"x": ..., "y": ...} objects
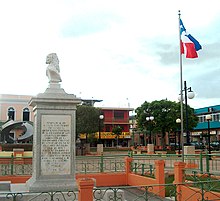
[{"x": 137, "y": 194}]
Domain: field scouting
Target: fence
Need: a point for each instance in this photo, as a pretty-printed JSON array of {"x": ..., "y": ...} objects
[
  {"x": 142, "y": 164},
  {"x": 85, "y": 164},
  {"x": 128, "y": 193},
  {"x": 208, "y": 163},
  {"x": 136, "y": 187}
]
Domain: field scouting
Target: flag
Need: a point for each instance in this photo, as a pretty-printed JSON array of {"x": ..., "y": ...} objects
[{"x": 188, "y": 44}]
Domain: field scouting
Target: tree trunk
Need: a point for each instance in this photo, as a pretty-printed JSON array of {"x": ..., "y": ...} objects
[{"x": 163, "y": 139}]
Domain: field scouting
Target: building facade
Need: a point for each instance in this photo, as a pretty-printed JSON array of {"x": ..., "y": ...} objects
[
  {"x": 114, "y": 117},
  {"x": 15, "y": 107},
  {"x": 200, "y": 132},
  {"x": 15, "y": 113}
]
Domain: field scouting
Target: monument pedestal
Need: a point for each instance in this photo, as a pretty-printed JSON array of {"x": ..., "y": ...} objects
[
  {"x": 99, "y": 149},
  {"x": 53, "y": 140},
  {"x": 150, "y": 148},
  {"x": 189, "y": 150},
  {"x": 87, "y": 148}
]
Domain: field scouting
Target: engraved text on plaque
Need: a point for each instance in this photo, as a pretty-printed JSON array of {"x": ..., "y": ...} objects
[{"x": 55, "y": 144}]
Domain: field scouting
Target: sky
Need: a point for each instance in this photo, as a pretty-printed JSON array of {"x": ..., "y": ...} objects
[{"x": 123, "y": 52}]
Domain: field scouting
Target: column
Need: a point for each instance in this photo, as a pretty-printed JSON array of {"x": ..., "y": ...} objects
[
  {"x": 179, "y": 177},
  {"x": 160, "y": 177},
  {"x": 85, "y": 187}
]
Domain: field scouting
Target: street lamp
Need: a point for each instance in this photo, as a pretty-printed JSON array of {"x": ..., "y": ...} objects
[
  {"x": 101, "y": 117},
  {"x": 190, "y": 95},
  {"x": 208, "y": 118},
  {"x": 151, "y": 118},
  {"x": 178, "y": 121}
]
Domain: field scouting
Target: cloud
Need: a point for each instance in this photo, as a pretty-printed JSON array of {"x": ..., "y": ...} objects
[
  {"x": 207, "y": 83},
  {"x": 88, "y": 23},
  {"x": 168, "y": 54},
  {"x": 210, "y": 52},
  {"x": 109, "y": 50}
]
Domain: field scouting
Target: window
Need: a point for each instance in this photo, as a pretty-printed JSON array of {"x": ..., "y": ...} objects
[
  {"x": 26, "y": 114},
  {"x": 201, "y": 118},
  {"x": 118, "y": 115},
  {"x": 11, "y": 113},
  {"x": 216, "y": 117}
]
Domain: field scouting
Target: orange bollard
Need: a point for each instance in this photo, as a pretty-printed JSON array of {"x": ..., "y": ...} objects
[
  {"x": 179, "y": 177},
  {"x": 85, "y": 186},
  {"x": 160, "y": 177}
]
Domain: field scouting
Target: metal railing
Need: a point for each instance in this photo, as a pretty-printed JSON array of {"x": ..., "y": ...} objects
[
  {"x": 198, "y": 190},
  {"x": 204, "y": 191},
  {"x": 83, "y": 165},
  {"x": 115, "y": 163},
  {"x": 200, "y": 162},
  {"x": 96, "y": 164},
  {"x": 38, "y": 196}
]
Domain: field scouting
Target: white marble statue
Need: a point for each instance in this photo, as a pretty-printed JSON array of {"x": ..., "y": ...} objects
[{"x": 53, "y": 69}]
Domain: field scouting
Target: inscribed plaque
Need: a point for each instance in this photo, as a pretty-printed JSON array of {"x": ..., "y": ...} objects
[{"x": 55, "y": 144}]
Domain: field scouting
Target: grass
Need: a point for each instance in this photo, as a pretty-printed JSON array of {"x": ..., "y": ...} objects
[
  {"x": 112, "y": 149},
  {"x": 214, "y": 185},
  {"x": 169, "y": 188},
  {"x": 209, "y": 183}
]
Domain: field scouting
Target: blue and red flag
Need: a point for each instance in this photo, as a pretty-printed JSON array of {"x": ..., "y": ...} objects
[{"x": 189, "y": 45}]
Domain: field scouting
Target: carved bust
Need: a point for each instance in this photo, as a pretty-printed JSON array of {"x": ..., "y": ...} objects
[{"x": 53, "y": 69}]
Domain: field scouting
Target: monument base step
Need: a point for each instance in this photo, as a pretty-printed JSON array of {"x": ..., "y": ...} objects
[
  {"x": 64, "y": 185},
  {"x": 5, "y": 185}
]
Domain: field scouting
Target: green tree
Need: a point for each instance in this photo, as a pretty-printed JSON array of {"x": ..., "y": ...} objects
[
  {"x": 165, "y": 114},
  {"x": 117, "y": 130},
  {"x": 87, "y": 120}
]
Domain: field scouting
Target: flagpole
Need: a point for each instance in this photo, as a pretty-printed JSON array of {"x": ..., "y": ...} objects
[{"x": 181, "y": 89}]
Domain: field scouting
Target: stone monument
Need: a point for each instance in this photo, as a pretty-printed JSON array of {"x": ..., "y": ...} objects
[{"x": 54, "y": 135}]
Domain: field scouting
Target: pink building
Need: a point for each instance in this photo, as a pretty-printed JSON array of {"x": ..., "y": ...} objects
[{"x": 15, "y": 107}]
